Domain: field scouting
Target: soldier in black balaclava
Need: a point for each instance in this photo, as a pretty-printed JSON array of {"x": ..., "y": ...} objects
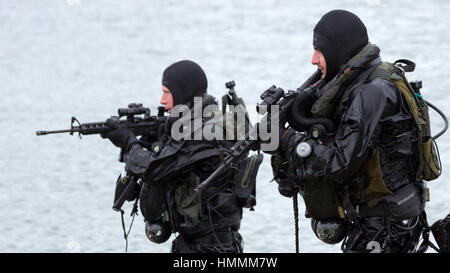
[
  {"x": 185, "y": 80},
  {"x": 339, "y": 35},
  {"x": 206, "y": 222},
  {"x": 359, "y": 181}
]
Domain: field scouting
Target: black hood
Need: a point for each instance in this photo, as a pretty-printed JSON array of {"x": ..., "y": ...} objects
[
  {"x": 185, "y": 80},
  {"x": 339, "y": 35}
]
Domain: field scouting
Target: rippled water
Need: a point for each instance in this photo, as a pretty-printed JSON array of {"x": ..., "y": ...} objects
[{"x": 87, "y": 58}]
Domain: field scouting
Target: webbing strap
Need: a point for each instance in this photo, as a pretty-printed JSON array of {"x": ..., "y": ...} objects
[{"x": 134, "y": 212}]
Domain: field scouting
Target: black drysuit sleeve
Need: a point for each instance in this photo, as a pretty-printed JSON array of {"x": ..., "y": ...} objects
[
  {"x": 174, "y": 158},
  {"x": 340, "y": 158},
  {"x": 148, "y": 165}
]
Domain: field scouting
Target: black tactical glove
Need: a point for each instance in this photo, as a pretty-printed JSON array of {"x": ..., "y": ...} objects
[
  {"x": 119, "y": 135},
  {"x": 285, "y": 135},
  {"x": 287, "y": 188},
  {"x": 284, "y": 176},
  {"x": 267, "y": 127}
]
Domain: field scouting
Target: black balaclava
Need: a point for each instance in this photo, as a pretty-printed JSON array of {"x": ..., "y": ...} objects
[
  {"x": 185, "y": 80},
  {"x": 339, "y": 35}
]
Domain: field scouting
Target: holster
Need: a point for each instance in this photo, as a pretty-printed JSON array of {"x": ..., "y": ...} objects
[{"x": 245, "y": 180}]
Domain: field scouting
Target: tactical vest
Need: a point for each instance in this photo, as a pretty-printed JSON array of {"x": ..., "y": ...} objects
[
  {"x": 242, "y": 183},
  {"x": 426, "y": 157},
  {"x": 429, "y": 164},
  {"x": 321, "y": 197}
]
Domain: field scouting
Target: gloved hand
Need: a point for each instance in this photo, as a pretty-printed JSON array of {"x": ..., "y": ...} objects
[
  {"x": 286, "y": 183},
  {"x": 119, "y": 135},
  {"x": 284, "y": 139},
  {"x": 266, "y": 127}
]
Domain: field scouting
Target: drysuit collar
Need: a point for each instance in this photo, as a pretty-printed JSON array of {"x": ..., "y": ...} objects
[{"x": 328, "y": 94}]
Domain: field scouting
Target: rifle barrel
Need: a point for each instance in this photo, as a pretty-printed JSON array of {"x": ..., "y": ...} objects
[{"x": 40, "y": 133}]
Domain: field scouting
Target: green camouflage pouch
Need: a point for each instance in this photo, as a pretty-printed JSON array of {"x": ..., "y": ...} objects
[{"x": 188, "y": 202}]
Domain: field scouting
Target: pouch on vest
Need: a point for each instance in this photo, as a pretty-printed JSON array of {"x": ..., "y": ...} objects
[
  {"x": 127, "y": 189},
  {"x": 406, "y": 202},
  {"x": 245, "y": 181},
  {"x": 224, "y": 208},
  {"x": 376, "y": 188},
  {"x": 321, "y": 200},
  {"x": 152, "y": 202},
  {"x": 188, "y": 202}
]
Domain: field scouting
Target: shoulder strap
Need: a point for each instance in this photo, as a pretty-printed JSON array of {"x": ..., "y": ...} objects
[{"x": 363, "y": 76}]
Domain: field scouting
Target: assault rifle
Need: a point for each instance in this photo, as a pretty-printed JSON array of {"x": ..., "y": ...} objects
[
  {"x": 149, "y": 126},
  {"x": 138, "y": 125},
  {"x": 272, "y": 96}
]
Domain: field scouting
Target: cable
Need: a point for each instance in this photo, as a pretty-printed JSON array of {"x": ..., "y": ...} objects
[
  {"x": 134, "y": 212},
  {"x": 295, "y": 203},
  {"x": 442, "y": 115}
]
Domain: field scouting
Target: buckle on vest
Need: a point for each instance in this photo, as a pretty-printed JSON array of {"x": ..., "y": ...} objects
[{"x": 398, "y": 69}]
